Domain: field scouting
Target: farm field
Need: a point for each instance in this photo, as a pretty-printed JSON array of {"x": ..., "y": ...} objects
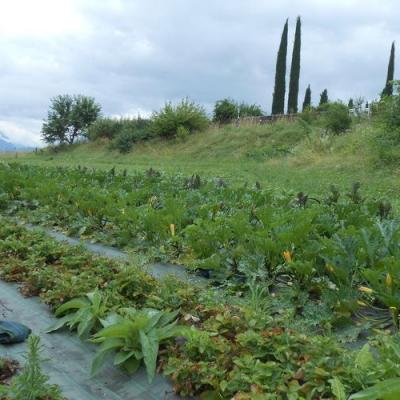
[
  {"x": 304, "y": 290},
  {"x": 248, "y": 346}
]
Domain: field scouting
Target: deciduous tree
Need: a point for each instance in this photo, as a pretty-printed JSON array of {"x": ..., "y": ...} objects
[{"x": 69, "y": 117}]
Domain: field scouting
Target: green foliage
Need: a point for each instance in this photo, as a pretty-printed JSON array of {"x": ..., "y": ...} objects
[
  {"x": 388, "y": 115},
  {"x": 227, "y": 110},
  {"x": 294, "y": 272},
  {"x": 386, "y": 390},
  {"x": 324, "y": 98},
  {"x": 182, "y": 134},
  {"x": 249, "y": 110},
  {"x": 307, "y": 99},
  {"x": 280, "y": 332},
  {"x": 123, "y": 132},
  {"x": 295, "y": 71},
  {"x": 134, "y": 338},
  {"x": 69, "y": 118},
  {"x": 278, "y": 100},
  {"x": 388, "y": 90},
  {"x": 104, "y": 128},
  {"x": 83, "y": 314},
  {"x": 186, "y": 114},
  {"x": 336, "y": 118},
  {"x": 32, "y": 384},
  {"x": 387, "y": 122}
]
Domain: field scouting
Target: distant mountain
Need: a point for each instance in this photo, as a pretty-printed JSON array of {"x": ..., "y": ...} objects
[{"x": 7, "y": 145}]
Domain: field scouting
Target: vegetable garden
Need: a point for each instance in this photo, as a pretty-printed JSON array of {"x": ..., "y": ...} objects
[{"x": 304, "y": 293}]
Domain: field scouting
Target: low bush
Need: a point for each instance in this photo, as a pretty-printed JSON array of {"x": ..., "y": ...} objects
[
  {"x": 226, "y": 110},
  {"x": 123, "y": 132},
  {"x": 250, "y": 110},
  {"x": 186, "y": 114},
  {"x": 388, "y": 114},
  {"x": 336, "y": 118},
  {"x": 104, "y": 128}
]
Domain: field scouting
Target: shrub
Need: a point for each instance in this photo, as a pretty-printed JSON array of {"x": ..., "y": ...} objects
[
  {"x": 309, "y": 115},
  {"x": 226, "y": 110},
  {"x": 104, "y": 128},
  {"x": 250, "y": 110},
  {"x": 186, "y": 114},
  {"x": 337, "y": 119},
  {"x": 110, "y": 128},
  {"x": 387, "y": 119},
  {"x": 182, "y": 133},
  {"x": 388, "y": 114},
  {"x": 124, "y": 141}
]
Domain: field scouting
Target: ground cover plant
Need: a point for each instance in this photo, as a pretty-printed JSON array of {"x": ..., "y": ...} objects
[{"x": 295, "y": 334}]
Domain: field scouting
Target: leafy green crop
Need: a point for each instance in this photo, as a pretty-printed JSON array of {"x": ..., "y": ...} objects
[
  {"x": 134, "y": 338},
  {"x": 83, "y": 314}
]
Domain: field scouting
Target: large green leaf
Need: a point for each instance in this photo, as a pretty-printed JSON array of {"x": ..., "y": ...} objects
[
  {"x": 60, "y": 323},
  {"x": 85, "y": 327},
  {"x": 98, "y": 361},
  {"x": 123, "y": 356},
  {"x": 168, "y": 317},
  {"x": 110, "y": 344},
  {"x": 120, "y": 330},
  {"x": 385, "y": 390},
  {"x": 72, "y": 305},
  {"x": 338, "y": 389},
  {"x": 149, "y": 344}
]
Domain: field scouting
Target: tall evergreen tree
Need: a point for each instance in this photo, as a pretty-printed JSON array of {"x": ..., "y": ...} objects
[
  {"x": 278, "y": 100},
  {"x": 324, "y": 97},
  {"x": 388, "y": 90},
  {"x": 295, "y": 70},
  {"x": 307, "y": 99},
  {"x": 351, "y": 104}
]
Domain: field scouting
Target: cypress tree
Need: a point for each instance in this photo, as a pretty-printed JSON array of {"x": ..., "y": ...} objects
[
  {"x": 295, "y": 70},
  {"x": 307, "y": 99},
  {"x": 388, "y": 90},
  {"x": 278, "y": 100},
  {"x": 351, "y": 104},
  {"x": 324, "y": 97}
]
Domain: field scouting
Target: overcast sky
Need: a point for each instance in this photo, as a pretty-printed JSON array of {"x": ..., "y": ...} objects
[{"x": 133, "y": 55}]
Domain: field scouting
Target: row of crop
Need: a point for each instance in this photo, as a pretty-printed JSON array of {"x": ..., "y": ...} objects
[
  {"x": 239, "y": 233},
  {"x": 209, "y": 343},
  {"x": 211, "y": 227}
]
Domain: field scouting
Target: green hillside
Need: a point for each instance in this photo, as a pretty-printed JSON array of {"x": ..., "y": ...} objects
[{"x": 289, "y": 155}]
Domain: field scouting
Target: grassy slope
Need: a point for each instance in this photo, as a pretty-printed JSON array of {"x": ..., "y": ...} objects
[{"x": 284, "y": 155}]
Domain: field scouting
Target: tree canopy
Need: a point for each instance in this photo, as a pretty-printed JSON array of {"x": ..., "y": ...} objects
[{"x": 69, "y": 117}]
